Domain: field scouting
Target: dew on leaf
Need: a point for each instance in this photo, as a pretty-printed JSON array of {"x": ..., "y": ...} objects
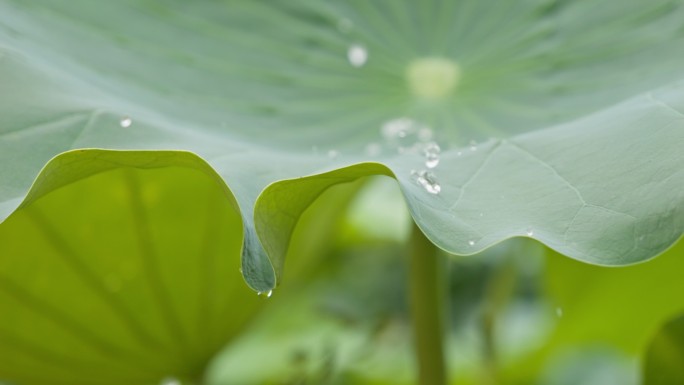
[
  {"x": 125, "y": 122},
  {"x": 431, "y": 153},
  {"x": 473, "y": 145},
  {"x": 529, "y": 232},
  {"x": 427, "y": 180},
  {"x": 357, "y": 55},
  {"x": 333, "y": 154},
  {"x": 471, "y": 242},
  {"x": 266, "y": 294}
]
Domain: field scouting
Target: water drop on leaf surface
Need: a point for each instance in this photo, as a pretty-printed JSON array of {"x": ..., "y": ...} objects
[
  {"x": 170, "y": 381},
  {"x": 357, "y": 55},
  {"x": 431, "y": 152},
  {"x": 126, "y": 122},
  {"x": 427, "y": 180}
]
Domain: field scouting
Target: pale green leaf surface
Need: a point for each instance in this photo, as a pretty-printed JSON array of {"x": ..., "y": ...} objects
[{"x": 575, "y": 108}]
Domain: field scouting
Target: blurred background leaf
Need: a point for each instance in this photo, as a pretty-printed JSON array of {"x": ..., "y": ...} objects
[{"x": 664, "y": 361}]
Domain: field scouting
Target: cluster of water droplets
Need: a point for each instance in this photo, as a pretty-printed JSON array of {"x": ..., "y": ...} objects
[
  {"x": 409, "y": 137},
  {"x": 427, "y": 180},
  {"x": 431, "y": 153}
]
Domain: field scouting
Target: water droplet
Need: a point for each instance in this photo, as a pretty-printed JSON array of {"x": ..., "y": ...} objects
[
  {"x": 529, "y": 231},
  {"x": 333, "y": 154},
  {"x": 471, "y": 242},
  {"x": 427, "y": 180},
  {"x": 559, "y": 312},
  {"x": 266, "y": 294},
  {"x": 431, "y": 152},
  {"x": 481, "y": 215},
  {"x": 373, "y": 149},
  {"x": 357, "y": 55},
  {"x": 459, "y": 153},
  {"x": 473, "y": 145},
  {"x": 170, "y": 381},
  {"x": 269, "y": 294},
  {"x": 345, "y": 25},
  {"x": 126, "y": 122}
]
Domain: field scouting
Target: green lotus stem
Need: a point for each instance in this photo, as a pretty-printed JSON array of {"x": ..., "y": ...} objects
[{"x": 426, "y": 294}]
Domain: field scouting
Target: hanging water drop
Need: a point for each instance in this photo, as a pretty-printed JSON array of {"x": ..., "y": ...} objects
[
  {"x": 427, "y": 180},
  {"x": 126, "y": 122},
  {"x": 170, "y": 381},
  {"x": 529, "y": 232},
  {"x": 269, "y": 294},
  {"x": 357, "y": 55},
  {"x": 266, "y": 294},
  {"x": 431, "y": 153}
]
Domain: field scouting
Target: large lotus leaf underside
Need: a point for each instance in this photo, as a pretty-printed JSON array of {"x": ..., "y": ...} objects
[{"x": 557, "y": 120}]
